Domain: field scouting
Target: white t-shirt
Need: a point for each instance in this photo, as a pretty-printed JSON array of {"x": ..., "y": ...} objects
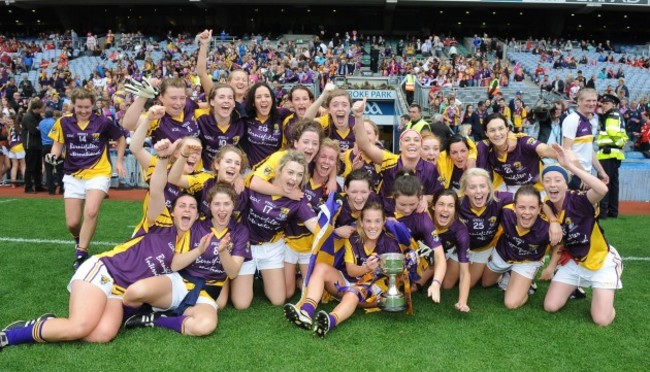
[{"x": 580, "y": 130}]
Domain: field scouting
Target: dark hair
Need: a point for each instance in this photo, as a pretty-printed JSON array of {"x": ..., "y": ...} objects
[
  {"x": 49, "y": 113},
  {"x": 300, "y": 87},
  {"x": 456, "y": 138},
  {"x": 494, "y": 116},
  {"x": 306, "y": 125},
  {"x": 250, "y": 101},
  {"x": 222, "y": 188},
  {"x": 369, "y": 206},
  {"x": 358, "y": 175},
  {"x": 180, "y": 195},
  {"x": 528, "y": 190},
  {"x": 415, "y": 105},
  {"x": 448, "y": 192},
  {"x": 407, "y": 184},
  {"x": 213, "y": 93}
]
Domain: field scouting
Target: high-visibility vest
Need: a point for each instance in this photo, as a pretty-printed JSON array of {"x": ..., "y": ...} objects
[
  {"x": 612, "y": 139},
  {"x": 410, "y": 83}
]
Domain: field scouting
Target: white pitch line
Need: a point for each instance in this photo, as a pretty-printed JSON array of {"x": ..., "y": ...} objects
[
  {"x": 56, "y": 241},
  {"x": 50, "y": 241},
  {"x": 8, "y": 200}
]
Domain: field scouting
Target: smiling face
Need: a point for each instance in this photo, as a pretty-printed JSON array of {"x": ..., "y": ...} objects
[
  {"x": 326, "y": 161},
  {"x": 357, "y": 193},
  {"x": 308, "y": 144},
  {"x": 185, "y": 212},
  {"x": 372, "y": 223},
  {"x": 431, "y": 149},
  {"x": 229, "y": 167},
  {"x": 291, "y": 176},
  {"x": 497, "y": 132},
  {"x": 221, "y": 208},
  {"x": 587, "y": 103},
  {"x": 555, "y": 187},
  {"x": 410, "y": 145},
  {"x": 174, "y": 100},
  {"x": 459, "y": 153},
  {"x": 300, "y": 102},
  {"x": 373, "y": 136},
  {"x": 239, "y": 82},
  {"x": 444, "y": 211},
  {"x": 527, "y": 209},
  {"x": 193, "y": 159},
  {"x": 477, "y": 191},
  {"x": 223, "y": 102},
  {"x": 339, "y": 109},
  {"x": 263, "y": 101},
  {"x": 83, "y": 108}
]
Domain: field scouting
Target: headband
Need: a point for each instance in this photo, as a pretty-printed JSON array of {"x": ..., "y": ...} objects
[
  {"x": 556, "y": 168},
  {"x": 410, "y": 130}
]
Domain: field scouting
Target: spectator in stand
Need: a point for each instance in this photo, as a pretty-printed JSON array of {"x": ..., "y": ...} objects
[
  {"x": 621, "y": 90},
  {"x": 558, "y": 85},
  {"x": 546, "y": 84},
  {"x": 632, "y": 118},
  {"x": 643, "y": 141}
]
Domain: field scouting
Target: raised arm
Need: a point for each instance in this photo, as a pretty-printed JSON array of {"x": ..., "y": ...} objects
[
  {"x": 597, "y": 188},
  {"x": 176, "y": 176},
  {"x": 205, "y": 38},
  {"x": 313, "y": 110},
  {"x": 164, "y": 148},
  {"x": 140, "y": 134},
  {"x": 371, "y": 150},
  {"x": 132, "y": 114}
]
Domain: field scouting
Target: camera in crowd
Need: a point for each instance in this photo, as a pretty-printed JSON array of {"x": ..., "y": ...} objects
[{"x": 542, "y": 110}]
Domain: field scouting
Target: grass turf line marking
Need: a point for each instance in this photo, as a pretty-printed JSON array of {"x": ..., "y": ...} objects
[
  {"x": 8, "y": 200},
  {"x": 57, "y": 241},
  {"x": 51, "y": 241}
]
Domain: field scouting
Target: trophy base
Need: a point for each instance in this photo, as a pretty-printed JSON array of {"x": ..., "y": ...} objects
[{"x": 393, "y": 303}]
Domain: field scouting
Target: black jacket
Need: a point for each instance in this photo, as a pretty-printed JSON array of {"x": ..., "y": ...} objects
[{"x": 31, "y": 133}]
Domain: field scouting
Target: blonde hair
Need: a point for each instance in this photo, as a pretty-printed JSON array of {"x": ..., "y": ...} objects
[
  {"x": 295, "y": 156},
  {"x": 226, "y": 149},
  {"x": 477, "y": 172}
]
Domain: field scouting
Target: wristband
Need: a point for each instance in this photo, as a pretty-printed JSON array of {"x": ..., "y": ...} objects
[
  {"x": 163, "y": 157},
  {"x": 436, "y": 281},
  {"x": 185, "y": 156}
]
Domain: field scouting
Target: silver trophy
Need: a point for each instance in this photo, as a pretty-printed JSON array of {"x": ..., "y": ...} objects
[{"x": 392, "y": 265}]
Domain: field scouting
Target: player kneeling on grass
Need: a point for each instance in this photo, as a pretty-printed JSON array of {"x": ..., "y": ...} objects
[
  {"x": 96, "y": 289},
  {"x": 521, "y": 247},
  {"x": 586, "y": 258},
  {"x": 356, "y": 284},
  {"x": 187, "y": 301}
]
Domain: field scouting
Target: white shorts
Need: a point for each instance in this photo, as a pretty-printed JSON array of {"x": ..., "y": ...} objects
[
  {"x": 179, "y": 291},
  {"x": 607, "y": 277},
  {"x": 76, "y": 188},
  {"x": 266, "y": 256},
  {"x": 478, "y": 257},
  {"x": 16, "y": 155},
  {"x": 4, "y": 151},
  {"x": 94, "y": 272},
  {"x": 293, "y": 257},
  {"x": 525, "y": 269}
]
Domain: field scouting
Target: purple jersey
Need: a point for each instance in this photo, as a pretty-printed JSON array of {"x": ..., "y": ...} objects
[
  {"x": 143, "y": 256},
  {"x": 369, "y": 166},
  {"x": 208, "y": 265},
  {"x": 455, "y": 238},
  {"x": 346, "y": 140},
  {"x": 519, "y": 167},
  {"x": 86, "y": 146},
  {"x": 583, "y": 237},
  {"x": 426, "y": 172},
  {"x": 213, "y": 138},
  {"x": 204, "y": 203},
  {"x": 516, "y": 245},
  {"x": 263, "y": 139},
  {"x": 14, "y": 138},
  {"x": 287, "y": 124},
  {"x": 356, "y": 253},
  {"x": 266, "y": 216},
  {"x": 174, "y": 128},
  {"x": 483, "y": 224},
  {"x": 421, "y": 227}
]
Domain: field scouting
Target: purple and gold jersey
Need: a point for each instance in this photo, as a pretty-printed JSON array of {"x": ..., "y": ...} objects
[
  {"x": 266, "y": 216},
  {"x": 522, "y": 245},
  {"x": 213, "y": 137},
  {"x": 522, "y": 166},
  {"x": 143, "y": 256},
  {"x": 287, "y": 125},
  {"x": 483, "y": 225},
  {"x": 583, "y": 237},
  {"x": 263, "y": 138},
  {"x": 449, "y": 173},
  {"x": 173, "y": 128},
  {"x": 369, "y": 166},
  {"x": 86, "y": 145},
  {"x": 208, "y": 265},
  {"x": 346, "y": 139},
  {"x": 455, "y": 238},
  {"x": 297, "y": 236},
  {"x": 345, "y": 216},
  {"x": 204, "y": 187},
  {"x": 421, "y": 227},
  {"x": 425, "y": 171},
  {"x": 15, "y": 141},
  {"x": 356, "y": 252}
]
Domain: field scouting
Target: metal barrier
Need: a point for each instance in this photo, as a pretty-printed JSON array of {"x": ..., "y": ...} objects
[{"x": 134, "y": 174}]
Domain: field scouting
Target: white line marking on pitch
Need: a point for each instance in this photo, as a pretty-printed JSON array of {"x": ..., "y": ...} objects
[
  {"x": 58, "y": 241},
  {"x": 8, "y": 200}
]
